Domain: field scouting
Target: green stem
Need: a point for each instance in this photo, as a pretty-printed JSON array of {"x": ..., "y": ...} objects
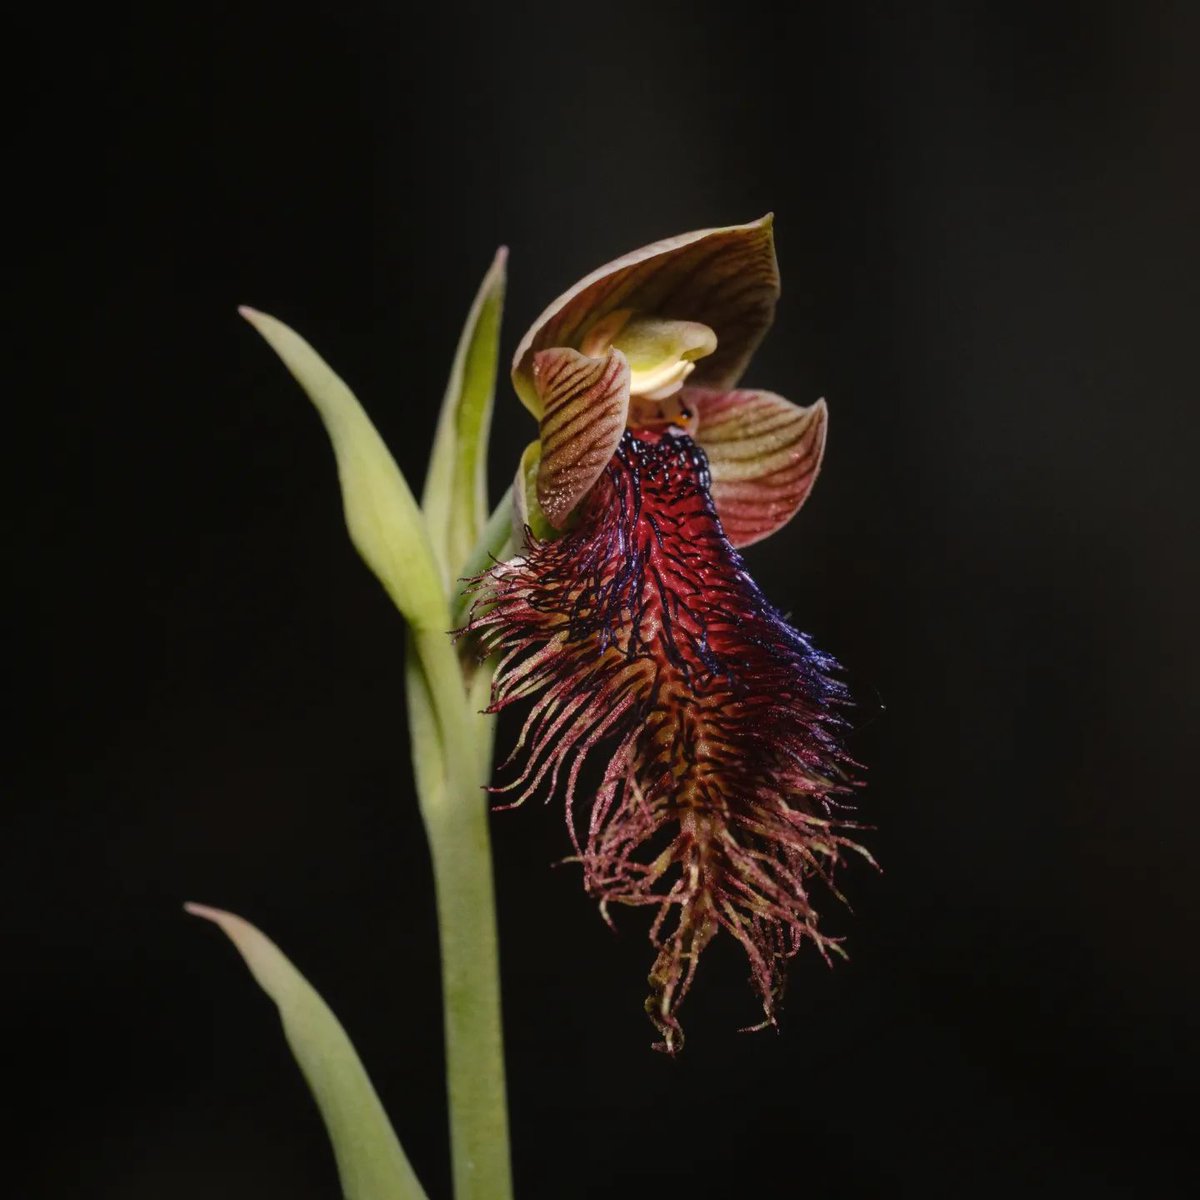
[{"x": 451, "y": 746}]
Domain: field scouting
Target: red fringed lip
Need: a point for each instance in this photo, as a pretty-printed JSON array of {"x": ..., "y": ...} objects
[{"x": 640, "y": 632}]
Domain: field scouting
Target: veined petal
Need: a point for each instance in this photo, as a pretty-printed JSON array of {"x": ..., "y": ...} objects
[
  {"x": 584, "y": 403},
  {"x": 640, "y": 633},
  {"x": 724, "y": 278},
  {"x": 764, "y": 453}
]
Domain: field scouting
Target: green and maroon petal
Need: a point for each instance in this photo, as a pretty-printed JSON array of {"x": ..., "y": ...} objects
[
  {"x": 584, "y": 402},
  {"x": 724, "y": 278},
  {"x": 764, "y": 453},
  {"x": 526, "y": 511}
]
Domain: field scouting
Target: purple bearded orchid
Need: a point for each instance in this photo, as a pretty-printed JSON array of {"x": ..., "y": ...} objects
[{"x": 630, "y": 621}]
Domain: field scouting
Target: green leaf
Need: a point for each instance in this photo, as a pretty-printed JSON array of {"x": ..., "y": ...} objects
[
  {"x": 385, "y": 524},
  {"x": 371, "y": 1162},
  {"x": 455, "y": 498}
]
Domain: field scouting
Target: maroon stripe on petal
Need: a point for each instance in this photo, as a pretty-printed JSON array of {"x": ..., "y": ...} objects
[
  {"x": 764, "y": 454},
  {"x": 724, "y": 278},
  {"x": 585, "y": 402}
]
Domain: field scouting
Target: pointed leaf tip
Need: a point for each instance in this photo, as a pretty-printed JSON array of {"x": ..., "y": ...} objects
[
  {"x": 455, "y": 495},
  {"x": 382, "y": 517},
  {"x": 371, "y": 1162}
]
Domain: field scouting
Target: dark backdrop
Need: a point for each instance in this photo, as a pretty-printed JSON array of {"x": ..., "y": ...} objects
[{"x": 987, "y": 231}]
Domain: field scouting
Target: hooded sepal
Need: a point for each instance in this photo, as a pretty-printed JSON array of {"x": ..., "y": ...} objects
[
  {"x": 724, "y": 278},
  {"x": 764, "y": 453}
]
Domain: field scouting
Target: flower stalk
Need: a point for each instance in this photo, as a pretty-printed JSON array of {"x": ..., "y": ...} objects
[
  {"x": 452, "y": 742},
  {"x": 452, "y": 764}
]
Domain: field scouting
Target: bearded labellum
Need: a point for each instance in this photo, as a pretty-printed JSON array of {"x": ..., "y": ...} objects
[{"x": 636, "y": 632}]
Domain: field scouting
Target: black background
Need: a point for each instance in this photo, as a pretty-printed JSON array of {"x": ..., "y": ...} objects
[{"x": 987, "y": 228}]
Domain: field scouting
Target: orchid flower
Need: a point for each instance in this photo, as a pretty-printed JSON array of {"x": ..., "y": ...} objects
[{"x": 629, "y": 619}]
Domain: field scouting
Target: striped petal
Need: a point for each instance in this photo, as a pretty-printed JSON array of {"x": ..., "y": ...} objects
[
  {"x": 724, "y": 278},
  {"x": 584, "y": 402},
  {"x": 764, "y": 454}
]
